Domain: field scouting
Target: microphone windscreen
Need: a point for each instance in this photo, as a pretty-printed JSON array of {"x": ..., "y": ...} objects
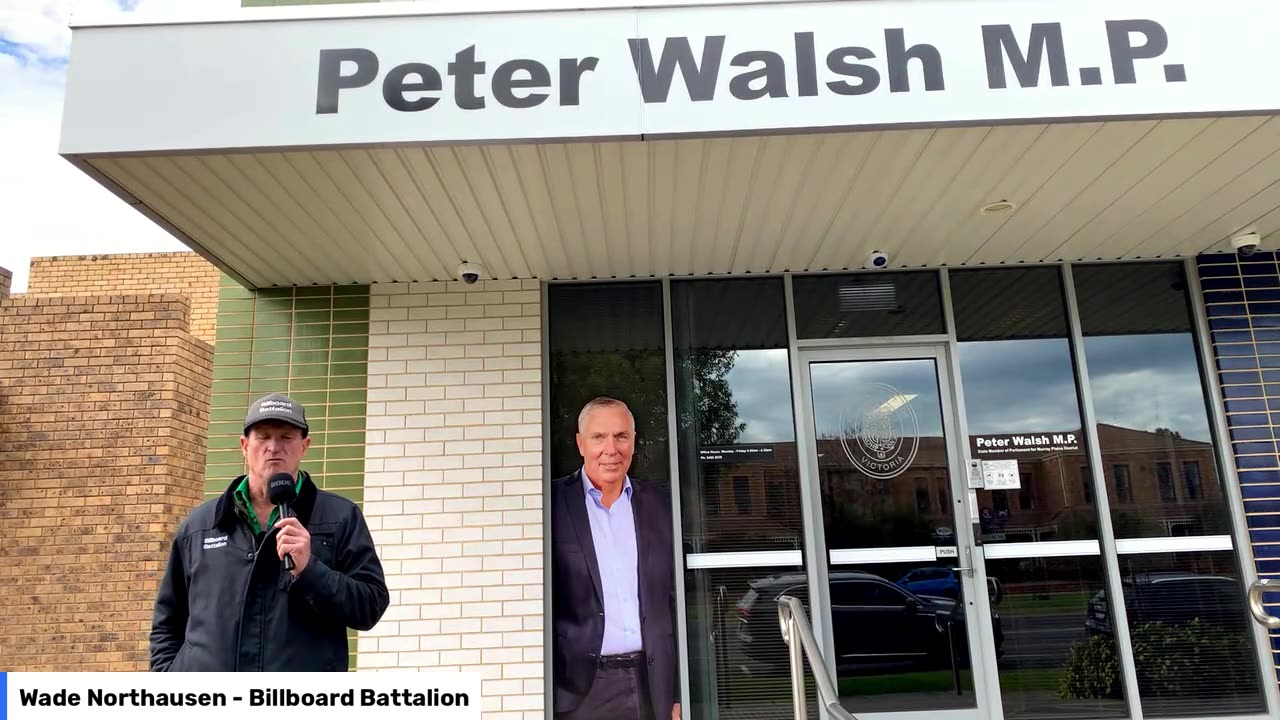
[{"x": 281, "y": 488}]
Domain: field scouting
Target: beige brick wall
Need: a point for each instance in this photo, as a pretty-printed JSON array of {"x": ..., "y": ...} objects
[
  {"x": 104, "y": 404},
  {"x": 453, "y": 484},
  {"x": 182, "y": 273},
  {"x": 6, "y": 282}
]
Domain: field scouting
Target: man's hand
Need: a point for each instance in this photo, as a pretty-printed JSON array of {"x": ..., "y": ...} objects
[
  {"x": 293, "y": 539},
  {"x": 675, "y": 712}
]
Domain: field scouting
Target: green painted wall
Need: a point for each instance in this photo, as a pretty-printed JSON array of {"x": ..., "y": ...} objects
[{"x": 312, "y": 343}]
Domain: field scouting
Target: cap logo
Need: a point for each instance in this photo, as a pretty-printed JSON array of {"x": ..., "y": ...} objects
[{"x": 270, "y": 405}]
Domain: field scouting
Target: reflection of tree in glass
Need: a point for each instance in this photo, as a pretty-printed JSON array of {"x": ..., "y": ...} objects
[
  {"x": 1076, "y": 524},
  {"x": 712, "y": 410},
  {"x": 636, "y": 377},
  {"x": 1192, "y": 660}
]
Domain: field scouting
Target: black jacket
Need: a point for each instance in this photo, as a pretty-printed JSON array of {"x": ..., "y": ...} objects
[
  {"x": 577, "y": 605},
  {"x": 226, "y": 603}
]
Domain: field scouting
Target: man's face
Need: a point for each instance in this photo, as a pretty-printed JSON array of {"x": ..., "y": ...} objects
[
  {"x": 272, "y": 447},
  {"x": 606, "y": 442}
]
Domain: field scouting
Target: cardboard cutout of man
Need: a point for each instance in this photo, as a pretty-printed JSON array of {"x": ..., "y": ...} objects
[{"x": 613, "y": 580}]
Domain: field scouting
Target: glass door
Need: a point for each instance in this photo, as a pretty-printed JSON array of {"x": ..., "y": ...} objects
[{"x": 896, "y": 608}]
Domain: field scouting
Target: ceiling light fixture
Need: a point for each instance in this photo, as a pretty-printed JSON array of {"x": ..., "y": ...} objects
[{"x": 998, "y": 207}]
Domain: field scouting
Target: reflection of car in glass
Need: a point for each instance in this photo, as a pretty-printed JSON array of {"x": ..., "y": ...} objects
[
  {"x": 878, "y": 625},
  {"x": 940, "y": 581},
  {"x": 1173, "y": 599}
]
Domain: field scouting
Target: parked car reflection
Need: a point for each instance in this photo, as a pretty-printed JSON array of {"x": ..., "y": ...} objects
[
  {"x": 1174, "y": 598},
  {"x": 939, "y": 581},
  {"x": 879, "y": 625}
]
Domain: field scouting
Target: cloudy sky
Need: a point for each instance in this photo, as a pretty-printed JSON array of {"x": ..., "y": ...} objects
[
  {"x": 49, "y": 207},
  {"x": 1138, "y": 381}
]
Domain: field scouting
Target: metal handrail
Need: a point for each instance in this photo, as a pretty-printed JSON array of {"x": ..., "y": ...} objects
[
  {"x": 1256, "y": 607},
  {"x": 795, "y": 626}
]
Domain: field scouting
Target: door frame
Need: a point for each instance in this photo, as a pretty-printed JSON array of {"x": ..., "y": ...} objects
[{"x": 964, "y": 504}]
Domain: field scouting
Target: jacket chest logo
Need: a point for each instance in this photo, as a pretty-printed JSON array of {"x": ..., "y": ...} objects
[{"x": 215, "y": 542}]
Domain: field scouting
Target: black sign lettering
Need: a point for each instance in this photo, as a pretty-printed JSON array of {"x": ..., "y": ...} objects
[
  {"x": 394, "y": 87},
  {"x": 464, "y": 70},
  {"x": 1124, "y": 52},
  {"x": 571, "y": 70},
  {"x": 868, "y": 77},
  {"x": 505, "y": 81},
  {"x": 774, "y": 74},
  {"x": 899, "y": 56},
  {"x": 699, "y": 79},
  {"x": 1000, "y": 44},
  {"x": 806, "y": 65},
  {"x": 759, "y": 73},
  {"x": 332, "y": 81}
]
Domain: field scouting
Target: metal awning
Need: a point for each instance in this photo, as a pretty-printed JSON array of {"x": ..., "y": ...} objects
[{"x": 215, "y": 130}]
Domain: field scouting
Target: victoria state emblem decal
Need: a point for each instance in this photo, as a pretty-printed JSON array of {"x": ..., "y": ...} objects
[{"x": 881, "y": 437}]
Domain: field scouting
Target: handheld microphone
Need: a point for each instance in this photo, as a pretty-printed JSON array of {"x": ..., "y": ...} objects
[{"x": 282, "y": 490}]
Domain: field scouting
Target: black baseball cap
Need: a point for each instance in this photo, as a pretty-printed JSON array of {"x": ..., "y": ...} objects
[{"x": 276, "y": 406}]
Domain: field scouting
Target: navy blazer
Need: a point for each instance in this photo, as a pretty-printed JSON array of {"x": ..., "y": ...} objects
[{"x": 577, "y": 607}]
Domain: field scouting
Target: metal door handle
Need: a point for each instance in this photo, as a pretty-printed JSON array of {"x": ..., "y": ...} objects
[{"x": 1257, "y": 608}]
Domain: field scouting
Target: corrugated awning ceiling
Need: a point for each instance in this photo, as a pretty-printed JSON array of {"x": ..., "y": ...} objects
[{"x": 1083, "y": 191}]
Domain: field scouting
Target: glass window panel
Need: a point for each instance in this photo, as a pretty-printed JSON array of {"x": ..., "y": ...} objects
[
  {"x": 607, "y": 339},
  {"x": 1132, "y": 298},
  {"x": 1021, "y": 403},
  {"x": 739, "y": 474},
  {"x": 1053, "y": 660},
  {"x": 869, "y": 474},
  {"x": 900, "y": 636},
  {"x": 1192, "y": 635},
  {"x": 868, "y": 305},
  {"x": 1152, "y": 415},
  {"x": 738, "y": 662},
  {"x": 1008, "y": 304}
]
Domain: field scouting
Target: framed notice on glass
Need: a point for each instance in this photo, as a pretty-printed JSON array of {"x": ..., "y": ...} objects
[{"x": 1001, "y": 475}]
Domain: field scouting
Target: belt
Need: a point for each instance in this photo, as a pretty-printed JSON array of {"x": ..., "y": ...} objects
[{"x": 621, "y": 662}]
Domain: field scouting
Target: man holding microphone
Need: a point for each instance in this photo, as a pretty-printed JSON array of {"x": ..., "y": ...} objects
[{"x": 268, "y": 576}]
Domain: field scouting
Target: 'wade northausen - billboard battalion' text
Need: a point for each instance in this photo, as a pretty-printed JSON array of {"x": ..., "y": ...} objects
[
  {"x": 755, "y": 73},
  {"x": 272, "y": 697}
]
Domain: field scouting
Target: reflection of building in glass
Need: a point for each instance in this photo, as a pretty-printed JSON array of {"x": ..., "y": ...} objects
[
  {"x": 1158, "y": 484},
  {"x": 748, "y": 504}
]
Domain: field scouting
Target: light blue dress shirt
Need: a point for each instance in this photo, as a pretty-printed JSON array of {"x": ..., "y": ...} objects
[{"x": 613, "y": 531}]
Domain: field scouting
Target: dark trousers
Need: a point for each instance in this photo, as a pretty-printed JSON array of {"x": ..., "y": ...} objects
[{"x": 616, "y": 694}]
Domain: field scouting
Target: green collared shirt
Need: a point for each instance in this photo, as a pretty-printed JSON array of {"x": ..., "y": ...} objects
[{"x": 241, "y": 494}]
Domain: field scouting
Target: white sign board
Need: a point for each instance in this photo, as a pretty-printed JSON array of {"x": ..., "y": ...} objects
[
  {"x": 630, "y": 73},
  {"x": 1001, "y": 475}
]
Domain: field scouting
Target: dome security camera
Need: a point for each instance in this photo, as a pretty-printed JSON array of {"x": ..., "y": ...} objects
[
  {"x": 878, "y": 260},
  {"x": 470, "y": 273},
  {"x": 1246, "y": 245}
]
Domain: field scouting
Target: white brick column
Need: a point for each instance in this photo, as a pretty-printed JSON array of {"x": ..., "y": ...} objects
[{"x": 453, "y": 484}]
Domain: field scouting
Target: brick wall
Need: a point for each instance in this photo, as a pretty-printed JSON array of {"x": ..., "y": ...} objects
[
  {"x": 1242, "y": 301},
  {"x": 182, "y": 273},
  {"x": 103, "y": 413},
  {"x": 453, "y": 484},
  {"x": 6, "y": 282}
]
